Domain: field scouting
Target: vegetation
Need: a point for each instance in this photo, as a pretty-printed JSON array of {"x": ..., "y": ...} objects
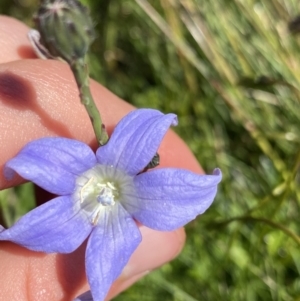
[{"x": 230, "y": 69}]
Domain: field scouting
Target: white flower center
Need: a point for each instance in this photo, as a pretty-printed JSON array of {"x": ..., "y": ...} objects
[
  {"x": 99, "y": 188},
  {"x": 106, "y": 196}
]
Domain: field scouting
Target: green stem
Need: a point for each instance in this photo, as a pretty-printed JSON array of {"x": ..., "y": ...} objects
[{"x": 80, "y": 71}]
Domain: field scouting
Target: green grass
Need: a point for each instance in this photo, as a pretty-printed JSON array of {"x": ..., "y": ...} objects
[{"x": 230, "y": 69}]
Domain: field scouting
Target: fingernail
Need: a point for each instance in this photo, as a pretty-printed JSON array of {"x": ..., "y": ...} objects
[
  {"x": 121, "y": 285},
  {"x": 156, "y": 249}
]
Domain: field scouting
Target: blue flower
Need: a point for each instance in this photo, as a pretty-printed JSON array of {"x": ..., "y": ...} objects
[{"x": 101, "y": 196}]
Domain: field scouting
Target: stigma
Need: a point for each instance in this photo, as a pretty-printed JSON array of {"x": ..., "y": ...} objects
[{"x": 107, "y": 194}]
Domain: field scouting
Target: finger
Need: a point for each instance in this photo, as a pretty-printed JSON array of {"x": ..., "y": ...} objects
[
  {"x": 55, "y": 110},
  {"x": 32, "y": 276},
  {"x": 14, "y": 42}
]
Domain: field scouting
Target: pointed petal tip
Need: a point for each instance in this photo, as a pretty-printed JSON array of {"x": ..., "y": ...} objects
[
  {"x": 175, "y": 121},
  {"x": 169, "y": 198},
  {"x": 52, "y": 163},
  {"x": 217, "y": 172},
  {"x": 45, "y": 228},
  {"x": 136, "y": 139},
  {"x": 87, "y": 296},
  {"x": 9, "y": 173},
  {"x": 109, "y": 248}
]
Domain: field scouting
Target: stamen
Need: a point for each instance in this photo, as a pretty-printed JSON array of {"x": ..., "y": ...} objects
[
  {"x": 84, "y": 187},
  {"x": 96, "y": 217},
  {"x": 111, "y": 186}
]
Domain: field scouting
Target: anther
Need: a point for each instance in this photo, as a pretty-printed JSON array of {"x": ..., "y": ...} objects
[{"x": 84, "y": 187}]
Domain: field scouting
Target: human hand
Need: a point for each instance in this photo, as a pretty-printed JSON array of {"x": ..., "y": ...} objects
[{"x": 37, "y": 99}]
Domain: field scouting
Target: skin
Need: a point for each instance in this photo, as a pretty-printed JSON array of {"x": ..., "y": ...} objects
[{"x": 39, "y": 98}]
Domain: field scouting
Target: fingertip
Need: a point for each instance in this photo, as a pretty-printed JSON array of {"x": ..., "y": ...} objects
[{"x": 156, "y": 249}]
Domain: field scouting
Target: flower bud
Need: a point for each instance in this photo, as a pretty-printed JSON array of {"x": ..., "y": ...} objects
[{"x": 66, "y": 28}]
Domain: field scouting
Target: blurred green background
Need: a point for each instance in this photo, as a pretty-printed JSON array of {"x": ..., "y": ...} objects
[{"x": 230, "y": 69}]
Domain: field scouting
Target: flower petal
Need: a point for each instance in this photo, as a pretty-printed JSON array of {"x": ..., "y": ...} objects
[
  {"x": 135, "y": 140},
  {"x": 167, "y": 199},
  {"x": 52, "y": 163},
  {"x": 109, "y": 248},
  {"x": 52, "y": 227}
]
